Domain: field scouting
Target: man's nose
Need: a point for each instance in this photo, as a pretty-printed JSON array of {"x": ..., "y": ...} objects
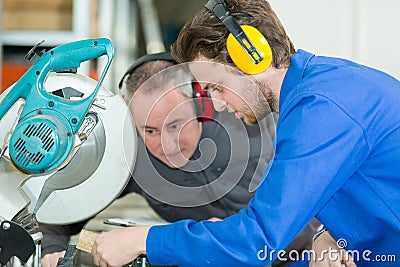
[
  {"x": 219, "y": 103},
  {"x": 169, "y": 142}
]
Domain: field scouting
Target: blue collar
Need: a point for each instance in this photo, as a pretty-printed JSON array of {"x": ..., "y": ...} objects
[{"x": 294, "y": 75}]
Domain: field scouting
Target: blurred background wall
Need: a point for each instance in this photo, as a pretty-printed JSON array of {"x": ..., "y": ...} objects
[{"x": 360, "y": 30}]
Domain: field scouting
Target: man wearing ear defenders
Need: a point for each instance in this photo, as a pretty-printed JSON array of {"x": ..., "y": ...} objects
[
  {"x": 337, "y": 147},
  {"x": 191, "y": 162}
]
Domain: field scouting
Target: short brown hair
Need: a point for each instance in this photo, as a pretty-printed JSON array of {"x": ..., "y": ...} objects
[
  {"x": 159, "y": 74},
  {"x": 205, "y": 35},
  {"x": 143, "y": 73}
]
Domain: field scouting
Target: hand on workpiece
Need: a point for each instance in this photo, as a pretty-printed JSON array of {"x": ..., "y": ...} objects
[
  {"x": 119, "y": 247},
  {"x": 51, "y": 260},
  {"x": 329, "y": 254}
]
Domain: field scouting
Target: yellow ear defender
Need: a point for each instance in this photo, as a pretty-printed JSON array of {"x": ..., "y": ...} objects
[
  {"x": 256, "y": 62},
  {"x": 247, "y": 46}
]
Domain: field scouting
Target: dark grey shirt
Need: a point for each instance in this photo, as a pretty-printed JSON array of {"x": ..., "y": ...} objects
[{"x": 218, "y": 181}]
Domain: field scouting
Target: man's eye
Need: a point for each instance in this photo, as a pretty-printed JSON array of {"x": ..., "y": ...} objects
[
  {"x": 212, "y": 88},
  {"x": 216, "y": 89},
  {"x": 151, "y": 131},
  {"x": 174, "y": 127}
]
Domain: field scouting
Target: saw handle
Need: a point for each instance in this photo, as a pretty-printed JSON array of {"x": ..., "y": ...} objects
[
  {"x": 73, "y": 54},
  {"x": 31, "y": 85}
]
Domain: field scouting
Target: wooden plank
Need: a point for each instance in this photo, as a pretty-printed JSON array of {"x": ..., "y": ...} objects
[
  {"x": 86, "y": 240},
  {"x": 38, "y": 4},
  {"x": 37, "y": 20}
]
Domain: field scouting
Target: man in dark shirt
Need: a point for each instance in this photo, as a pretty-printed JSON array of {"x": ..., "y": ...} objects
[{"x": 187, "y": 165}]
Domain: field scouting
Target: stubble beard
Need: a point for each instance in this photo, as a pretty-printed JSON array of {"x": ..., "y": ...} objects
[{"x": 263, "y": 102}]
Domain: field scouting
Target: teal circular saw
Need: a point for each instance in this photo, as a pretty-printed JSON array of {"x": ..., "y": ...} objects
[
  {"x": 44, "y": 136},
  {"x": 69, "y": 145}
]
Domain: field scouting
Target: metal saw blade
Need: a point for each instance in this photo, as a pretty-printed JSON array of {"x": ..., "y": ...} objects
[{"x": 11, "y": 198}]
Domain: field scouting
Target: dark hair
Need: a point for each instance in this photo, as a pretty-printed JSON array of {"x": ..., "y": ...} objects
[{"x": 205, "y": 35}]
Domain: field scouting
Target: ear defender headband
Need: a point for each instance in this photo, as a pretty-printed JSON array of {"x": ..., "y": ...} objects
[
  {"x": 164, "y": 56},
  {"x": 202, "y": 102},
  {"x": 247, "y": 46}
]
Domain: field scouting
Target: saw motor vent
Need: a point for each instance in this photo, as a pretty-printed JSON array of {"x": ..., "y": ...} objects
[
  {"x": 36, "y": 144},
  {"x": 36, "y": 141}
]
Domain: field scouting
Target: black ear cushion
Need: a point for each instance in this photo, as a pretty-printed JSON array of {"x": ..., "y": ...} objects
[{"x": 164, "y": 56}]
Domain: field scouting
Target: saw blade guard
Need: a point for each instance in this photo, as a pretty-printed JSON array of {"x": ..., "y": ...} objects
[
  {"x": 101, "y": 166},
  {"x": 95, "y": 175}
]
